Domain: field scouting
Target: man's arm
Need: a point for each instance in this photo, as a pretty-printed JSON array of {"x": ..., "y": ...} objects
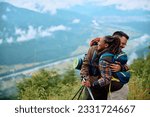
[
  {"x": 118, "y": 67},
  {"x": 120, "y": 63},
  {"x": 124, "y": 67}
]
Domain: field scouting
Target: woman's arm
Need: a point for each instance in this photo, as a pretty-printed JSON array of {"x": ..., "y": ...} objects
[
  {"x": 86, "y": 62},
  {"x": 106, "y": 74}
]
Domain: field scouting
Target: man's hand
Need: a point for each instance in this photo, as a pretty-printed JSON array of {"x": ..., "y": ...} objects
[
  {"x": 86, "y": 83},
  {"x": 115, "y": 67}
]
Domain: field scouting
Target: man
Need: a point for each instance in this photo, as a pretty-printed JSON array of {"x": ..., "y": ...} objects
[
  {"x": 123, "y": 92},
  {"x": 115, "y": 67}
]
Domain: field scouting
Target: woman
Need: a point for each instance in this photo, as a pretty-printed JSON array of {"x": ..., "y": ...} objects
[{"x": 99, "y": 85}]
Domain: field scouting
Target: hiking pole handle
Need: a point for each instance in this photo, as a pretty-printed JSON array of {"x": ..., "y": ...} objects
[{"x": 89, "y": 90}]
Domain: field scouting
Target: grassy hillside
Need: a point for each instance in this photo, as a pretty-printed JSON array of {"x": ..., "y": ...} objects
[
  {"x": 50, "y": 85},
  {"x": 139, "y": 85}
]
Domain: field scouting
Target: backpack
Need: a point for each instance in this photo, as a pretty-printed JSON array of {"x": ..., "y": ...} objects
[{"x": 123, "y": 76}]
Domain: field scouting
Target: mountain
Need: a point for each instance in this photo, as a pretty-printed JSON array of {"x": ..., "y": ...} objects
[
  {"x": 29, "y": 37},
  {"x": 61, "y": 38}
]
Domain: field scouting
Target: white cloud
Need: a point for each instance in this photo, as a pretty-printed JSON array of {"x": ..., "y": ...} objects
[
  {"x": 138, "y": 42},
  {"x": 76, "y": 21},
  {"x": 24, "y": 36},
  {"x": 44, "y": 33},
  {"x": 126, "y": 4},
  {"x": 1, "y": 41},
  {"x": 19, "y": 31},
  {"x": 132, "y": 57},
  {"x": 95, "y": 23},
  {"x": 33, "y": 33},
  {"x": 58, "y": 28},
  {"x": 136, "y": 45},
  {"x": 45, "y": 5},
  {"x": 9, "y": 40},
  {"x": 120, "y": 19},
  {"x": 52, "y": 5}
]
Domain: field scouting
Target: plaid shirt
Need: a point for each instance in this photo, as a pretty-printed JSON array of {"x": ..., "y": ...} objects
[{"x": 106, "y": 73}]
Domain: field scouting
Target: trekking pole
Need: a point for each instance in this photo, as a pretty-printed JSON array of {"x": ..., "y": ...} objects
[
  {"x": 81, "y": 89},
  {"x": 89, "y": 90},
  {"x": 78, "y": 92}
]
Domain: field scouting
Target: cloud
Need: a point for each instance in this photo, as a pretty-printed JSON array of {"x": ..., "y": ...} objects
[
  {"x": 45, "y": 5},
  {"x": 132, "y": 57},
  {"x": 95, "y": 23},
  {"x": 9, "y": 40},
  {"x": 33, "y": 33},
  {"x": 138, "y": 42},
  {"x": 24, "y": 36},
  {"x": 136, "y": 45},
  {"x": 76, "y": 21},
  {"x": 1, "y": 41},
  {"x": 129, "y": 4},
  {"x": 58, "y": 28},
  {"x": 120, "y": 19},
  {"x": 52, "y": 6}
]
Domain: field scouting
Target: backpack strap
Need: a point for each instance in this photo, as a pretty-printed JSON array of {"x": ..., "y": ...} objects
[
  {"x": 109, "y": 57},
  {"x": 124, "y": 77},
  {"x": 122, "y": 58},
  {"x": 94, "y": 57},
  {"x": 93, "y": 68}
]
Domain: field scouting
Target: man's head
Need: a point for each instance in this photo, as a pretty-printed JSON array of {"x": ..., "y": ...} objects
[{"x": 123, "y": 38}]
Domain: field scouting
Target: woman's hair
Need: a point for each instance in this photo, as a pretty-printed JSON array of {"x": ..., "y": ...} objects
[{"x": 113, "y": 44}]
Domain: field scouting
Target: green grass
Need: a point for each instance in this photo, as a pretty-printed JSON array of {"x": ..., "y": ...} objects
[
  {"x": 139, "y": 85},
  {"x": 50, "y": 85}
]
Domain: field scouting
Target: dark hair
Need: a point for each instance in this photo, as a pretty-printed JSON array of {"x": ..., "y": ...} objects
[
  {"x": 114, "y": 44},
  {"x": 121, "y": 34}
]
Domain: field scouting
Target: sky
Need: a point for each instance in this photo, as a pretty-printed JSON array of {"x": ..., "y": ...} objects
[{"x": 52, "y": 6}]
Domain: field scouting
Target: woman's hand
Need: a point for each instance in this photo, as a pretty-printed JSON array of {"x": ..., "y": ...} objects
[{"x": 86, "y": 83}]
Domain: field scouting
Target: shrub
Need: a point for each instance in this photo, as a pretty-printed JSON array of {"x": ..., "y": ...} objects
[
  {"x": 140, "y": 81},
  {"x": 45, "y": 85}
]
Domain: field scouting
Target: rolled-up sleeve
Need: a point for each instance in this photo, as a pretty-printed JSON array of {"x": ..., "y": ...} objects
[
  {"x": 85, "y": 66},
  {"x": 86, "y": 62},
  {"x": 106, "y": 73}
]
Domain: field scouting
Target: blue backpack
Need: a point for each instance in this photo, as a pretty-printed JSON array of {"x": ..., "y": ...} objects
[{"x": 123, "y": 76}]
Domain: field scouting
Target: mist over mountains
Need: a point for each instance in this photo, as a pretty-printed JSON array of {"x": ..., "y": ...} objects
[{"x": 28, "y": 36}]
